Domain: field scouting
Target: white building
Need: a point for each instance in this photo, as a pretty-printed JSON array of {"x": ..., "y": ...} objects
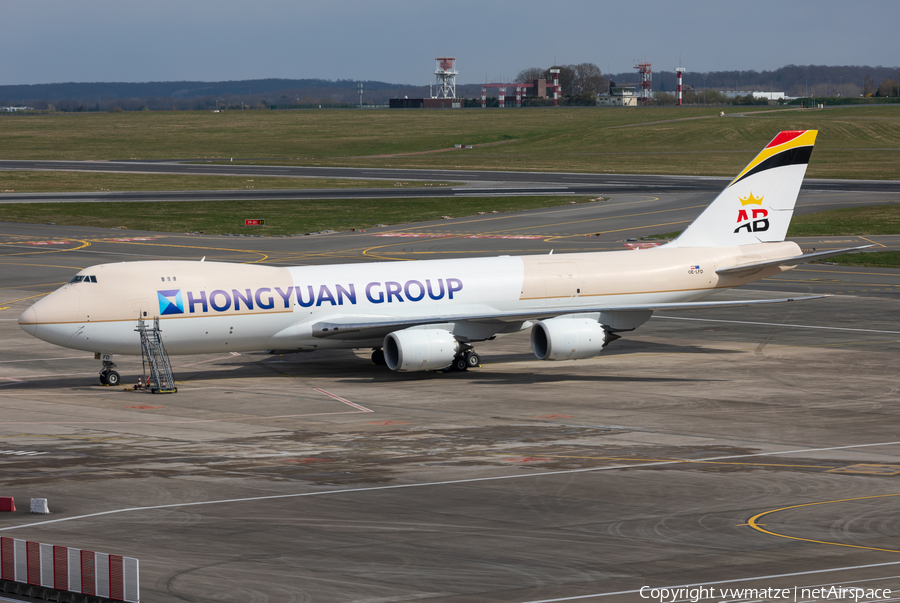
[{"x": 618, "y": 96}]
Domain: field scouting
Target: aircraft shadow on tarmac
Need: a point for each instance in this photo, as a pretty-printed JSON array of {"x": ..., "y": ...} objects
[{"x": 345, "y": 365}]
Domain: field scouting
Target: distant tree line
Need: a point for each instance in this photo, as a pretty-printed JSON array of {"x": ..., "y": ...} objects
[
  {"x": 793, "y": 80},
  {"x": 580, "y": 83}
]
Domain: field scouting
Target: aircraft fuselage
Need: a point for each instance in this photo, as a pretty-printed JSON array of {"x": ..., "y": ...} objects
[{"x": 211, "y": 307}]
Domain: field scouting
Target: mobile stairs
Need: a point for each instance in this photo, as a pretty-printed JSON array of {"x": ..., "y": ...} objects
[{"x": 154, "y": 357}]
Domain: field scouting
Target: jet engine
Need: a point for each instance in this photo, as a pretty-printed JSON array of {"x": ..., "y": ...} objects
[
  {"x": 567, "y": 338},
  {"x": 419, "y": 350}
]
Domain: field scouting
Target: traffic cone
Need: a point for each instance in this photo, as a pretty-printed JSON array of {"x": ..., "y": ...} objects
[{"x": 140, "y": 384}]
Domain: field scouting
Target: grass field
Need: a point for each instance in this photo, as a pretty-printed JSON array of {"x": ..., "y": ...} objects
[
  {"x": 51, "y": 182},
  {"x": 872, "y": 220},
  {"x": 854, "y": 142},
  {"x": 874, "y": 259},
  {"x": 283, "y": 217}
]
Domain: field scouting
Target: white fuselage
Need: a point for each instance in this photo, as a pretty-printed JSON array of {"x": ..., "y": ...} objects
[{"x": 210, "y": 307}]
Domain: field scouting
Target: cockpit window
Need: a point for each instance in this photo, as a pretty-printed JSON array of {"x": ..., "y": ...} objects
[{"x": 83, "y": 279}]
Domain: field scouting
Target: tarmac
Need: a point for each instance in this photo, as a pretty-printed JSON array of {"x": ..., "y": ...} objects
[{"x": 739, "y": 448}]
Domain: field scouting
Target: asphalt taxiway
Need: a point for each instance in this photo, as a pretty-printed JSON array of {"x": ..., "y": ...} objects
[
  {"x": 740, "y": 448},
  {"x": 468, "y": 182}
]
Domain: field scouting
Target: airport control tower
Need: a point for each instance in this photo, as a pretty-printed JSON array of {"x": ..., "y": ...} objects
[{"x": 446, "y": 77}]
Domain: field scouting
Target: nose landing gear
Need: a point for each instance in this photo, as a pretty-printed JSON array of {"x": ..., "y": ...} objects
[{"x": 108, "y": 375}]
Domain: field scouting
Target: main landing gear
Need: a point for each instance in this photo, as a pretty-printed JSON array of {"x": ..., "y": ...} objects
[
  {"x": 466, "y": 359},
  {"x": 108, "y": 375}
]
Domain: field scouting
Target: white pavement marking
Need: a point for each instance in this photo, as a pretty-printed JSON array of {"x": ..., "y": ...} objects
[
  {"x": 775, "y": 324},
  {"x": 339, "y": 399},
  {"x": 359, "y": 408},
  {"x": 768, "y": 577},
  {"x": 229, "y": 357},
  {"x": 443, "y": 483}
]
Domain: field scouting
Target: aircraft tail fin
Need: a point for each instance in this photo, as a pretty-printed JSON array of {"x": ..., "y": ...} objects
[{"x": 757, "y": 206}]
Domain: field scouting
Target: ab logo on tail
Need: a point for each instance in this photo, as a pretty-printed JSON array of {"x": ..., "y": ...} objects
[{"x": 758, "y": 221}]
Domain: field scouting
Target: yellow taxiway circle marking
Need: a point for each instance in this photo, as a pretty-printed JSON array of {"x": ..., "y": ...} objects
[
  {"x": 44, "y": 251},
  {"x": 40, "y": 266},
  {"x": 151, "y": 244},
  {"x": 23, "y": 299},
  {"x": 754, "y": 523},
  {"x": 871, "y": 241}
]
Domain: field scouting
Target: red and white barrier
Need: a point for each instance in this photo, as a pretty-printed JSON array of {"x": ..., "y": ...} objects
[{"x": 74, "y": 570}]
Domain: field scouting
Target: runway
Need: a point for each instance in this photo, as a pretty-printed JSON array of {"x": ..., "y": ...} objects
[
  {"x": 740, "y": 448},
  {"x": 481, "y": 183}
]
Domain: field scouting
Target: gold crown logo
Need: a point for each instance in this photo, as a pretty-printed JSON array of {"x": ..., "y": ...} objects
[{"x": 751, "y": 200}]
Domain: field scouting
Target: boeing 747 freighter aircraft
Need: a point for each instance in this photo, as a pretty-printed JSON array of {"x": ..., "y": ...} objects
[{"x": 426, "y": 315}]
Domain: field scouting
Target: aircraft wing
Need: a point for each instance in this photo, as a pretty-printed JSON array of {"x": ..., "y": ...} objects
[
  {"x": 792, "y": 261},
  {"x": 375, "y": 326}
]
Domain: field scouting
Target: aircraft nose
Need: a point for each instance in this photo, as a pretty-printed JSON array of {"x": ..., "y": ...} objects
[{"x": 28, "y": 321}]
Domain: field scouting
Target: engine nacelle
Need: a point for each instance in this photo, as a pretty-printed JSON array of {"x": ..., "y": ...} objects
[
  {"x": 419, "y": 350},
  {"x": 567, "y": 338}
]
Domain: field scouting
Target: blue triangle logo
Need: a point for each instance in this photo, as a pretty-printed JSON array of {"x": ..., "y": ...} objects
[{"x": 170, "y": 302}]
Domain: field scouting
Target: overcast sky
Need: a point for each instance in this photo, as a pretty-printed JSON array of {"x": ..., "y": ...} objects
[{"x": 397, "y": 40}]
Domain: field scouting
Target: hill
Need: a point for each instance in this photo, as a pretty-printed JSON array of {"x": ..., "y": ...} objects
[
  {"x": 795, "y": 80},
  {"x": 200, "y": 95}
]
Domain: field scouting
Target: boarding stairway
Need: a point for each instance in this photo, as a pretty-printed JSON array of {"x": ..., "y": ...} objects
[{"x": 154, "y": 356}]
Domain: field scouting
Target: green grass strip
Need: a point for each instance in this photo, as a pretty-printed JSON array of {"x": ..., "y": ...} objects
[{"x": 283, "y": 217}]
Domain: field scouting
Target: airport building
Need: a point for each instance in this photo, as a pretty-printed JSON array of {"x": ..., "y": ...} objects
[
  {"x": 443, "y": 95},
  {"x": 618, "y": 96},
  {"x": 445, "y": 98},
  {"x": 427, "y": 103}
]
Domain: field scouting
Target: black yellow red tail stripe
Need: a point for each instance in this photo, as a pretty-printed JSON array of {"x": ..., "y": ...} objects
[{"x": 791, "y": 147}]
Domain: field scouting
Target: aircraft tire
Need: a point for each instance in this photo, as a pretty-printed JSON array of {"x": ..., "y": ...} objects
[
  {"x": 103, "y": 377},
  {"x": 378, "y": 358},
  {"x": 472, "y": 359},
  {"x": 112, "y": 378},
  {"x": 459, "y": 364}
]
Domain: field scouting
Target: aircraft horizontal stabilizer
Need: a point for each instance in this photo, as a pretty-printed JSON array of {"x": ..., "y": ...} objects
[{"x": 791, "y": 261}]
